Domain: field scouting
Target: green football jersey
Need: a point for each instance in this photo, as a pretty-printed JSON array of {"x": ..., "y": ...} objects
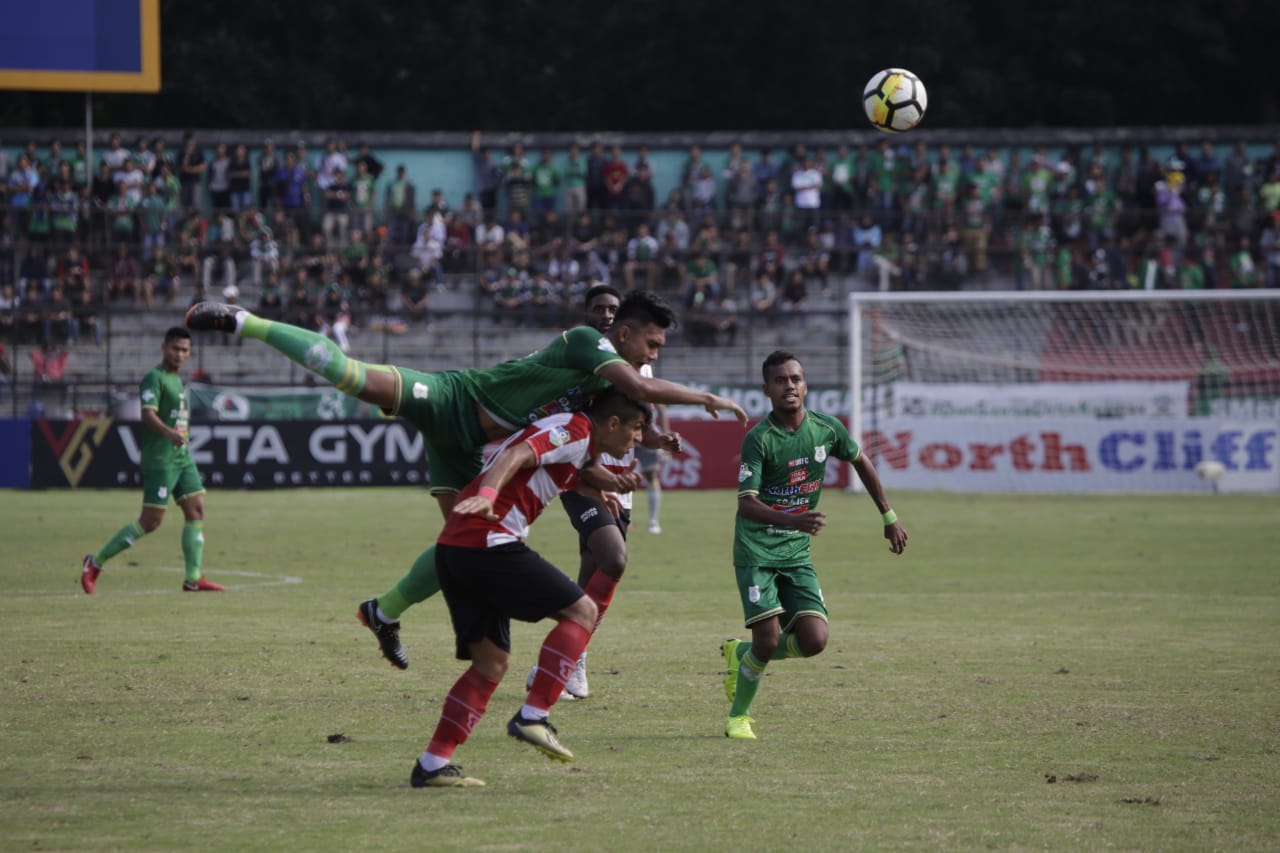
[
  {"x": 784, "y": 470},
  {"x": 164, "y": 392},
  {"x": 556, "y": 378}
]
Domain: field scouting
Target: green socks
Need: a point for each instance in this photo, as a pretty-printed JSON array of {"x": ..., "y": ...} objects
[
  {"x": 313, "y": 351},
  {"x": 192, "y": 548},
  {"x": 417, "y": 586},
  {"x": 749, "y": 675},
  {"x": 751, "y": 670},
  {"x": 124, "y": 538}
]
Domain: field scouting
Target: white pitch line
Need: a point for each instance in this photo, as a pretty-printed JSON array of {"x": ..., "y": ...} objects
[{"x": 275, "y": 580}]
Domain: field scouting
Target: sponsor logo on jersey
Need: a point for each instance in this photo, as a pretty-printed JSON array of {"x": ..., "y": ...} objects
[
  {"x": 148, "y": 396},
  {"x": 606, "y": 345},
  {"x": 744, "y": 473},
  {"x": 559, "y": 436},
  {"x": 420, "y": 391},
  {"x": 797, "y": 475},
  {"x": 794, "y": 489},
  {"x": 589, "y": 514},
  {"x": 795, "y": 463},
  {"x": 820, "y": 453}
]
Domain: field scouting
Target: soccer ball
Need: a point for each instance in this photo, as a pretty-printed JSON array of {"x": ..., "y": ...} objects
[
  {"x": 895, "y": 100},
  {"x": 1210, "y": 470}
]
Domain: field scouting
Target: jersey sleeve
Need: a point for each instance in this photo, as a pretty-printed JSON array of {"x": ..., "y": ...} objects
[
  {"x": 752, "y": 467},
  {"x": 567, "y": 442},
  {"x": 149, "y": 390},
  {"x": 845, "y": 447},
  {"x": 588, "y": 350}
]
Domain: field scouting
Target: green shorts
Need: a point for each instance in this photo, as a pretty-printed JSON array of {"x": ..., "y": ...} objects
[
  {"x": 788, "y": 593},
  {"x": 177, "y": 481},
  {"x": 444, "y": 412}
]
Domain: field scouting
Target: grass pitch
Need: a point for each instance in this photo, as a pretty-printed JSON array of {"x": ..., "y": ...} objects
[{"x": 1035, "y": 672}]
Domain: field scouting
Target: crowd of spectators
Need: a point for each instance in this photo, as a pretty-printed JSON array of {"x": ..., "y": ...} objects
[{"x": 331, "y": 237}]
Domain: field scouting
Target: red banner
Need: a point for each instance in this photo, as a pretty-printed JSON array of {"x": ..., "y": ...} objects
[{"x": 711, "y": 453}]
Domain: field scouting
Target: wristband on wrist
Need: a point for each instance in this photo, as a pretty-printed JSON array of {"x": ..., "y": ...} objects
[
  {"x": 889, "y": 517},
  {"x": 488, "y": 492}
]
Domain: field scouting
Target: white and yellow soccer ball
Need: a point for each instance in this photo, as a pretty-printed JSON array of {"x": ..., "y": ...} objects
[{"x": 895, "y": 100}]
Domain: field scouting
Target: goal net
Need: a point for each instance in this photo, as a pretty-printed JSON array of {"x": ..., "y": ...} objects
[{"x": 1068, "y": 392}]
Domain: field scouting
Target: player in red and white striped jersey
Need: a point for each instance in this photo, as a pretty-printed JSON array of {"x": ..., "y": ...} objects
[
  {"x": 489, "y": 576},
  {"x": 561, "y": 447}
]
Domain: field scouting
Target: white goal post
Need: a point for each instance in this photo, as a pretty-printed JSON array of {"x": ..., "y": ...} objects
[{"x": 1077, "y": 391}]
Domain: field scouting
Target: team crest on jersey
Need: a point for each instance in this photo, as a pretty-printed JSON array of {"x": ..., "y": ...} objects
[
  {"x": 317, "y": 357},
  {"x": 744, "y": 473},
  {"x": 820, "y": 453},
  {"x": 606, "y": 345},
  {"x": 559, "y": 436}
]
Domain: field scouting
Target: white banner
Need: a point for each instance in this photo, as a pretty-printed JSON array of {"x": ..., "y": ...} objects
[
  {"x": 1088, "y": 400},
  {"x": 1054, "y": 455}
]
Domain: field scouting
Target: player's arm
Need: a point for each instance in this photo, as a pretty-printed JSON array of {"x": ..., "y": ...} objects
[
  {"x": 893, "y": 529},
  {"x": 646, "y": 389},
  {"x": 656, "y": 435},
  {"x": 151, "y": 420},
  {"x": 752, "y": 508},
  {"x": 497, "y": 475},
  {"x": 598, "y": 478}
]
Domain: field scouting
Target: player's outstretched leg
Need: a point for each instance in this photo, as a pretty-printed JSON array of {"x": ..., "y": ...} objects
[
  {"x": 386, "y": 630},
  {"x": 310, "y": 349},
  {"x": 215, "y": 317}
]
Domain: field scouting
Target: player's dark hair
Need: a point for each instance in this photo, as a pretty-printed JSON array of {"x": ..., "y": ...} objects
[
  {"x": 613, "y": 403},
  {"x": 773, "y": 359},
  {"x": 601, "y": 290},
  {"x": 176, "y": 332},
  {"x": 642, "y": 307}
]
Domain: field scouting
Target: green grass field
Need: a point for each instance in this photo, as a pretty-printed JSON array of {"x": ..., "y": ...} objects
[{"x": 1034, "y": 673}]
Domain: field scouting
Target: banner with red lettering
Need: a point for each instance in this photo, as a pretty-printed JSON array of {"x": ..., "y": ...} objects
[
  {"x": 1054, "y": 455},
  {"x": 1020, "y": 455}
]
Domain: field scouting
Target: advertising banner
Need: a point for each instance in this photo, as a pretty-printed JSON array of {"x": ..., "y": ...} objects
[
  {"x": 711, "y": 452},
  {"x": 965, "y": 455},
  {"x": 1055, "y": 455},
  {"x": 212, "y": 403},
  {"x": 15, "y": 453},
  {"x": 104, "y": 453}
]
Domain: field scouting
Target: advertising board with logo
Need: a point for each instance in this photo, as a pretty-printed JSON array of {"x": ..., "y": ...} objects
[{"x": 104, "y": 453}]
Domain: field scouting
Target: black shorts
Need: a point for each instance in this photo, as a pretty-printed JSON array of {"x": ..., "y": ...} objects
[
  {"x": 486, "y": 588},
  {"x": 588, "y": 515}
]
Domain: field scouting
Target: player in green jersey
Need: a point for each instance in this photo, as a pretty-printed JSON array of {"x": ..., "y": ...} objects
[
  {"x": 779, "y": 483},
  {"x": 459, "y": 411},
  {"x": 167, "y": 469}
]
